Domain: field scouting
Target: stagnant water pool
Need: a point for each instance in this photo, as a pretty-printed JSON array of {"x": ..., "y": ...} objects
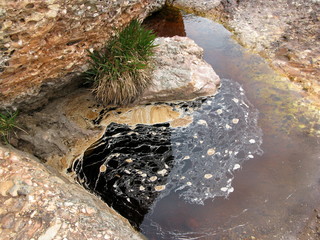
[
  {"x": 246, "y": 167},
  {"x": 275, "y": 193}
]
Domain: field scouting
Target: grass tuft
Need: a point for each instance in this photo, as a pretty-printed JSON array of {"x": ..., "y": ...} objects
[
  {"x": 7, "y": 125},
  {"x": 121, "y": 71}
]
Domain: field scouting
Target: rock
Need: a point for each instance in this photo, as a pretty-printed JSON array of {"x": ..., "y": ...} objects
[
  {"x": 8, "y": 221},
  {"x": 43, "y": 44},
  {"x": 180, "y": 73},
  {"x": 284, "y": 32},
  {"x": 5, "y": 187},
  {"x": 201, "y": 6},
  {"x": 51, "y": 232},
  {"x": 53, "y": 209}
]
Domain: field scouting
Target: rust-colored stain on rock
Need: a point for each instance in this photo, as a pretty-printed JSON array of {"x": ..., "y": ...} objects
[{"x": 42, "y": 40}]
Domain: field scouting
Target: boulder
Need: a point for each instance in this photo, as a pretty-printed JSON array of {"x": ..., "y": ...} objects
[
  {"x": 43, "y": 44},
  {"x": 180, "y": 73},
  {"x": 38, "y": 203}
]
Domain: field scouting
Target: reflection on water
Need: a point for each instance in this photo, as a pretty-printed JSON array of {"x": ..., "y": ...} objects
[
  {"x": 133, "y": 166},
  {"x": 168, "y": 22},
  {"x": 274, "y": 193},
  {"x": 223, "y": 134}
]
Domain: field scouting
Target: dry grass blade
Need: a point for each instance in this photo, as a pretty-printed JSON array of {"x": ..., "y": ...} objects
[{"x": 121, "y": 71}]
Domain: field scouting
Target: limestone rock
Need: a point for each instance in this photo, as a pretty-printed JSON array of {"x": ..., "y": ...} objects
[
  {"x": 180, "y": 73},
  {"x": 53, "y": 208},
  {"x": 201, "y": 6},
  {"x": 43, "y": 43}
]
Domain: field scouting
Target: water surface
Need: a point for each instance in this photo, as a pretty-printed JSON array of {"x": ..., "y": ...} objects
[{"x": 273, "y": 194}]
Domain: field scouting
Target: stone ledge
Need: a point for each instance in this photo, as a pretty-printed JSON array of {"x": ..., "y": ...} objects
[
  {"x": 36, "y": 203},
  {"x": 180, "y": 73}
]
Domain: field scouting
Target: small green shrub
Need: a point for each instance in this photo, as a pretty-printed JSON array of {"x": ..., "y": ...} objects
[
  {"x": 121, "y": 71},
  {"x": 7, "y": 125}
]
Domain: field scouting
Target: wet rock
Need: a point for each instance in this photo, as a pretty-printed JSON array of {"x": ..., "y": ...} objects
[{"x": 179, "y": 72}]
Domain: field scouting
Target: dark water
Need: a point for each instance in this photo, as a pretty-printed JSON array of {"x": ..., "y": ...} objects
[{"x": 273, "y": 193}]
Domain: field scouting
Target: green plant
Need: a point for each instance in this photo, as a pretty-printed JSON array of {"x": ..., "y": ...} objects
[
  {"x": 120, "y": 71},
  {"x": 7, "y": 125}
]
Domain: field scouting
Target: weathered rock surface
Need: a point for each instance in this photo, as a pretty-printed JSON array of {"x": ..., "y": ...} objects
[
  {"x": 286, "y": 32},
  {"x": 180, "y": 73},
  {"x": 43, "y": 43},
  {"x": 36, "y": 203},
  {"x": 199, "y": 6},
  {"x": 59, "y": 133}
]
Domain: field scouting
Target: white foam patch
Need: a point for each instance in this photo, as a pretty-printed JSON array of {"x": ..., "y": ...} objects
[{"x": 195, "y": 140}]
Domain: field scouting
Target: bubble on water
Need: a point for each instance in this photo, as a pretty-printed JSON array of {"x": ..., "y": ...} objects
[
  {"x": 208, "y": 176},
  {"x": 145, "y": 163},
  {"x": 160, "y": 188},
  {"x": 231, "y": 141},
  {"x": 236, "y": 166}
]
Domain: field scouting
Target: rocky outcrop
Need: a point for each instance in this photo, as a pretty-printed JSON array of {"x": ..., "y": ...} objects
[
  {"x": 289, "y": 36},
  {"x": 43, "y": 43},
  {"x": 285, "y": 32},
  {"x": 36, "y": 203},
  {"x": 179, "y": 72},
  {"x": 58, "y": 133},
  {"x": 201, "y": 7}
]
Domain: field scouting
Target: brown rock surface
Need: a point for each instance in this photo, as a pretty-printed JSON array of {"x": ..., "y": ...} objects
[
  {"x": 60, "y": 132},
  {"x": 43, "y": 43},
  {"x": 36, "y": 203}
]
